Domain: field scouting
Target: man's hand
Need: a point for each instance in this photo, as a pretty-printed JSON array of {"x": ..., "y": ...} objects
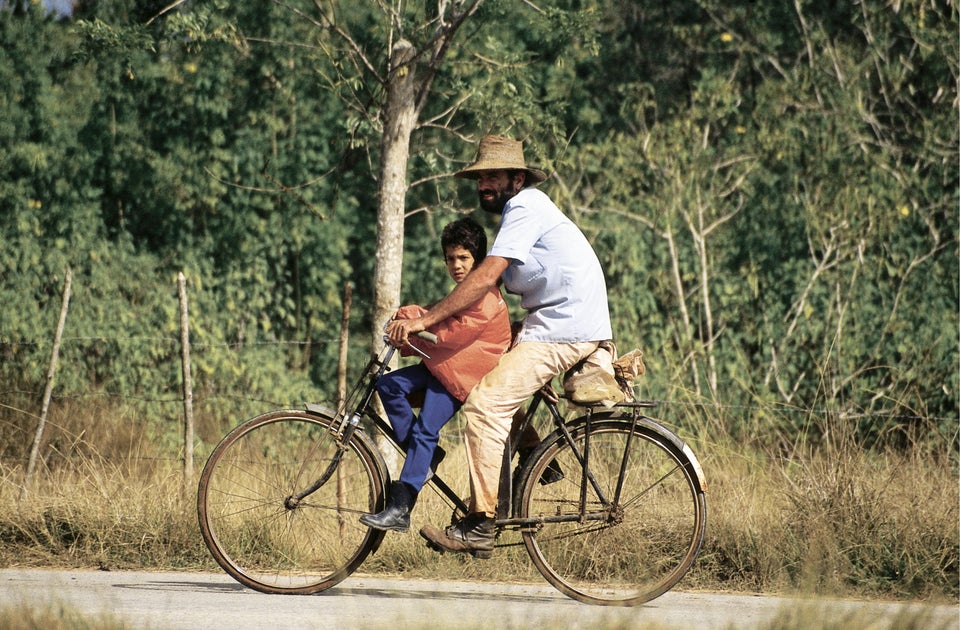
[
  {"x": 473, "y": 287},
  {"x": 399, "y": 330}
]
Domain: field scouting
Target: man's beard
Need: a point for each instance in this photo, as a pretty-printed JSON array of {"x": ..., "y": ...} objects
[{"x": 496, "y": 204}]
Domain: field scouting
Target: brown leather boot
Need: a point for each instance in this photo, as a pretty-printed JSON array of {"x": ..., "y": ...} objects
[{"x": 473, "y": 534}]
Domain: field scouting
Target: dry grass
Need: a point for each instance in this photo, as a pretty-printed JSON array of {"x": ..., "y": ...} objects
[
  {"x": 805, "y": 616},
  {"x": 835, "y": 520},
  {"x": 800, "y": 617},
  {"x": 105, "y": 494},
  {"x": 55, "y": 617},
  {"x": 99, "y": 515}
]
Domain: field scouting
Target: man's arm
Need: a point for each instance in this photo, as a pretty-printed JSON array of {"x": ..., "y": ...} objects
[{"x": 473, "y": 287}]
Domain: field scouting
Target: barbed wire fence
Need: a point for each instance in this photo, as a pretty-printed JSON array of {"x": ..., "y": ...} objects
[
  {"x": 183, "y": 398},
  {"x": 186, "y": 400}
]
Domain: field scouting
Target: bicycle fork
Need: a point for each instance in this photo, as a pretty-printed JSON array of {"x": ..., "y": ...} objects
[
  {"x": 343, "y": 431},
  {"x": 293, "y": 501}
]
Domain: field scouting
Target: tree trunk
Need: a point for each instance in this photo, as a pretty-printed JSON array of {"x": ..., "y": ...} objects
[{"x": 398, "y": 123}]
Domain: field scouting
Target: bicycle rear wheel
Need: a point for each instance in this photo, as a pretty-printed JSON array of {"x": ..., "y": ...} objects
[
  {"x": 632, "y": 546},
  {"x": 269, "y": 543}
]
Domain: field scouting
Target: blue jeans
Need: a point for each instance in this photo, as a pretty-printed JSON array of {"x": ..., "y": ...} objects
[{"x": 418, "y": 435}]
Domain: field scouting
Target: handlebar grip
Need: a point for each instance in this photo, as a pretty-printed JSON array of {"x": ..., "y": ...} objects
[{"x": 429, "y": 336}]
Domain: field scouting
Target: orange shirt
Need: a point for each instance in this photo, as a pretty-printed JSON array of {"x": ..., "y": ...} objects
[{"x": 469, "y": 343}]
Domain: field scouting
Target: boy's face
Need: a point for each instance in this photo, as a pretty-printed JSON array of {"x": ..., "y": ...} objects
[{"x": 459, "y": 262}]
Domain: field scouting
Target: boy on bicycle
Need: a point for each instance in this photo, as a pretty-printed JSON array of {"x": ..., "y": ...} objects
[{"x": 469, "y": 344}]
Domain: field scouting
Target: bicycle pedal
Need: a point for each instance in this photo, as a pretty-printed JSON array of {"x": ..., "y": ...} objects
[{"x": 484, "y": 554}]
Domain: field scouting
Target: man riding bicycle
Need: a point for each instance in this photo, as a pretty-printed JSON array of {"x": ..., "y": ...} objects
[{"x": 544, "y": 257}]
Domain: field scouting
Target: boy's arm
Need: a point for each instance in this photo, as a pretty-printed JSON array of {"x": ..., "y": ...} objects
[
  {"x": 464, "y": 328},
  {"x": 473, "y": 287}
]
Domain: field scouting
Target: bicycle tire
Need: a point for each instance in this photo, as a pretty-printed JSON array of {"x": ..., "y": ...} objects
[
  {"x": 647, "y": 542},
  {"x": 250, "y": 529}
]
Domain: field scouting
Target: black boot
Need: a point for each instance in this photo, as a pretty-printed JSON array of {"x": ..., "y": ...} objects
[{"x": 395, "y": 517}]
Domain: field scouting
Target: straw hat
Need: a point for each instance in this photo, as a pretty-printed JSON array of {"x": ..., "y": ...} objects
[{"x": 497, "y": 153}]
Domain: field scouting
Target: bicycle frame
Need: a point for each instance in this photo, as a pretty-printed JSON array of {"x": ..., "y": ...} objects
[
  {"x": 550, "y": 400},
  {"x": 350, "y": 416}
]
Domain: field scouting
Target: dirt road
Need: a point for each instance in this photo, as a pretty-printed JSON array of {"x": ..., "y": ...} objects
[{"x": 216, "y": 602}]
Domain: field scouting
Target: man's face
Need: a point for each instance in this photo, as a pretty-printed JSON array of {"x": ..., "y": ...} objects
[{"x": 495, "y": 188}]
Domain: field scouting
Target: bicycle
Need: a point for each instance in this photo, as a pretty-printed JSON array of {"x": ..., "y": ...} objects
[{"x": 280, "y": 496}]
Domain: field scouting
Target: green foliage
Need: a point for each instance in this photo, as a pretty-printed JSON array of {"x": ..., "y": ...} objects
[
  {"x": 772, "y": 190},
  {"x": 794, "y": 219}
]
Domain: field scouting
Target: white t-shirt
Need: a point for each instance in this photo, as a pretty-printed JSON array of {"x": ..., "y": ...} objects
[{"x": 554, "y": 270}]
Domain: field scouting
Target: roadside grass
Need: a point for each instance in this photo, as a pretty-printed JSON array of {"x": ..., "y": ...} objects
[
  {"x": 805, "y": 616},
  {"x": 57, "y": 616},
  {"x": 836, "y": 519}
]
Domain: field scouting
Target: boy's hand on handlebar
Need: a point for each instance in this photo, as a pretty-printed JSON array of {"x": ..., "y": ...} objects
[{"x": 400, "y": 330}]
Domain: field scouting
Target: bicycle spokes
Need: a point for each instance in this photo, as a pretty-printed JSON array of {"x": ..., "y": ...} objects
[
  {"x": 256, "y": 530},
  {"x": 631, "y": 540}
]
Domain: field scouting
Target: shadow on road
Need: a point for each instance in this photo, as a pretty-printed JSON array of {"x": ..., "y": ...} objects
[{"x": 474, "y": 594}]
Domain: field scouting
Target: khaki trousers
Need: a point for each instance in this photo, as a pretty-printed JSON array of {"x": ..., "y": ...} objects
[{"x": 489, "y": 408}]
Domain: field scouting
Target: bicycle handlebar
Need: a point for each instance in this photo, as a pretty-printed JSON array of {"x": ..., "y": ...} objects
[
  {"x": 429, "y": 336},
  {"x": 423, "y": 334}
]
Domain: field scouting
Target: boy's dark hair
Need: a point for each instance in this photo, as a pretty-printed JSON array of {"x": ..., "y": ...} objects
[{"x": 468, "y": 234}]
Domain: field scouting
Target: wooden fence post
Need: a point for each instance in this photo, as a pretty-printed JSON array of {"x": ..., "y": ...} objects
[
  {"x": 48, "y": 390},
  {"x": 342, "y": 383},
  {"x": 344, "y": 338},
  {"x": 187, "y": 384}
]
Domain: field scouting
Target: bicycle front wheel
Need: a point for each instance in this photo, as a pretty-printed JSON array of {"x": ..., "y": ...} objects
[
  {"x": 632, "y": 531},
  {"x": 269, "y": 542}
]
